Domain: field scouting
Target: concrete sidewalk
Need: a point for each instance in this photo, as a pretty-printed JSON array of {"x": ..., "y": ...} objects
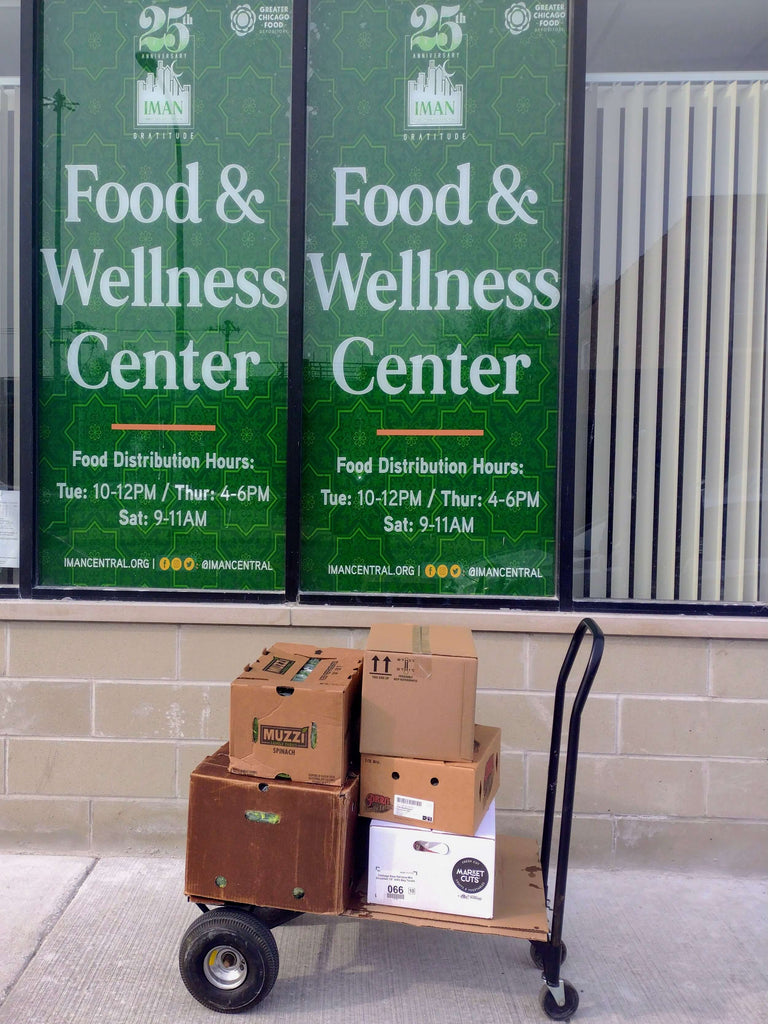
[{"x": 95, "y": 941}]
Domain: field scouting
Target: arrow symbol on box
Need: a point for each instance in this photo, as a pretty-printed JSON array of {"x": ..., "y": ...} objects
[
  {"x": 375, "y": 663},
  {"x": 386, "y": 664}
]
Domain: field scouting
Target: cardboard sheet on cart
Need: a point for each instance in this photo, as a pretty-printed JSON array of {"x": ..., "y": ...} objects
[{"x": 519, "y": 905}]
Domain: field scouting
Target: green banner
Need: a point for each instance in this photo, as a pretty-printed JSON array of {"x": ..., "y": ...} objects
[
  {"x": 433, "y": 296},
  {"x": 163, "y": 294}
]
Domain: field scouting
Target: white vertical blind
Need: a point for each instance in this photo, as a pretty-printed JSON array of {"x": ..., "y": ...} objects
[
  {"x": 671, "y": 405},
  {"x": 651, "y": 260},
  {"x": 673, "y": 318}
]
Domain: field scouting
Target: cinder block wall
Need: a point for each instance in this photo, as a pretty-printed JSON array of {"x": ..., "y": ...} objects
[{"x": 103, "y": 721}]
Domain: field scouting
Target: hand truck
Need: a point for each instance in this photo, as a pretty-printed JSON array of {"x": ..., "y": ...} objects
[{"x": 228, "y": 958}]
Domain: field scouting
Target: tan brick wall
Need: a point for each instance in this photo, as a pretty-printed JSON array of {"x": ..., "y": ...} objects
[{"x": 101, "y": 723}]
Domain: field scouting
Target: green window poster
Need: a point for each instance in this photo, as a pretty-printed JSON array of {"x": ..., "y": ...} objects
[
  {"x": 163, "y": 294},
  {"x": 436, "y": 145}
]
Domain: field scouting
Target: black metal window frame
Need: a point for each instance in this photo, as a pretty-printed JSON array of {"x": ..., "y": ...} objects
[{"x": 564, "y": 601}]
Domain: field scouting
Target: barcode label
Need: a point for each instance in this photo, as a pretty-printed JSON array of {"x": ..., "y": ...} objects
[{"x": 411, "y": 807}]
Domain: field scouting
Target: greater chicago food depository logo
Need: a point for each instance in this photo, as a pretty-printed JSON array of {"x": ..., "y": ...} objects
[
  {"x": 243, "y": 20},
  {"x": 517, "y": 18},
  {"x": 540, "y": 17},
  {"x": 163, "y": 99},
  {"x": 267, "y": 19},
  {"x": 436, "y": 85}
]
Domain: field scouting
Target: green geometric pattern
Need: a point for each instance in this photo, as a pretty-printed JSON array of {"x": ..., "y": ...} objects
[
  {"x": 187, "y": 509},
  {"x": 471, "y": 513},
  {"x": 436, "y": 317}
]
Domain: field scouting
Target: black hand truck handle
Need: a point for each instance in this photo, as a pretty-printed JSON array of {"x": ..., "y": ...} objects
[{"x": 552, "y": 962}]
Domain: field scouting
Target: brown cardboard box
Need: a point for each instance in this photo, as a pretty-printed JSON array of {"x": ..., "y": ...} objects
[
  {"x": 451, "y": 796},
  {"x": 294, "y": 714},
  {"x": 419, "y": 685},
  {"x": 269, "y": 843}
]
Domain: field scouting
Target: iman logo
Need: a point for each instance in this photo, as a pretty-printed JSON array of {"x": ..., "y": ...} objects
[
  {"x": 436, "y": 92},
  {"x": 162, "y": 99},
  {"x": 433, "y": 100},
  {"x": 164, "y": 52}
]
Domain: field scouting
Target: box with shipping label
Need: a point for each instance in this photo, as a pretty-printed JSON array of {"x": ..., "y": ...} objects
[
  {"x": 451, "y": 796},
  {"x": 270, "y": 843},
  {"x": 294, "y": 713},
  {"x": 419, "y": 687},
  {"x": 436, "y": 871}
]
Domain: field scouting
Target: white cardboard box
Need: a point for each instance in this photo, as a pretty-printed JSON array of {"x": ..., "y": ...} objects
[{"x": 437, "y": 871}]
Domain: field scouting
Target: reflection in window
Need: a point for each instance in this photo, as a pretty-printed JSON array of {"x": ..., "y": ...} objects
[{"x": 9, "y": 288}]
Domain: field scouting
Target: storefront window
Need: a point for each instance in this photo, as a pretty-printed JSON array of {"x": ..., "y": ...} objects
[
  {"x": 163, "y": 312},
  {"x": 433, "y": 299},
  {"x": 671, "y": 437},
  {"x": 9, "y": 288},
  {"x": 400, "y": 434}
]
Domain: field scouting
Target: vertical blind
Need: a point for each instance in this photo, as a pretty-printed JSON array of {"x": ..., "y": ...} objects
[{"x": 672, "y": 430}]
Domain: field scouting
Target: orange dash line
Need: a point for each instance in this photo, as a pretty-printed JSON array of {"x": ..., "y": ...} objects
[
  {"x": 163, "y": 426},
  {"x": 430, "y": 433}
]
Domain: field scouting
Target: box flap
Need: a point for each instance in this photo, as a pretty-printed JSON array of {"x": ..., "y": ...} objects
[
  {"x": 286, "y": 666},
  {"x": 403, "y": 638}
]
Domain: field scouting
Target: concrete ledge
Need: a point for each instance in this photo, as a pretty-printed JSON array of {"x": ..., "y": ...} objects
[
  {"x": 346, "y": 617},
  {"x": 72, "y": 610}
]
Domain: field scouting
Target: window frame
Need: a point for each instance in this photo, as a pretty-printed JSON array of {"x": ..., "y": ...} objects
[{"x": 563, "y": 601}]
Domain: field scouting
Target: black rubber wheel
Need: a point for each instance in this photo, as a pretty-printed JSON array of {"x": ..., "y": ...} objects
[
  {"x": 550, "y": 1007},
  {"x": 272, "y": 917},
  {"x": 537, "y": 953},
  {"x": 228, "y": 960}
]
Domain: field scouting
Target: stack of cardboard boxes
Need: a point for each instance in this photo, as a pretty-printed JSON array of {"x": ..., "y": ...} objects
[
  {"x": 273, "y": 816},
  {"x": 277, "y": 817},
  {"x": 428, "y": 773}
]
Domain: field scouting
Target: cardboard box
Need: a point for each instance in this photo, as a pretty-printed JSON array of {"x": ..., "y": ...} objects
[
  {"x": 435, "y": 871},
  {"x": 294, "y": 713},
  {"x": 419, "y": 685},
  {"x": 451, "y": 796},
  {"x": 269, "y": 843}
]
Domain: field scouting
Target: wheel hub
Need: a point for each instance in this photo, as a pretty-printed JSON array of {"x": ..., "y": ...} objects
[{"x": 225, "y": 967}]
